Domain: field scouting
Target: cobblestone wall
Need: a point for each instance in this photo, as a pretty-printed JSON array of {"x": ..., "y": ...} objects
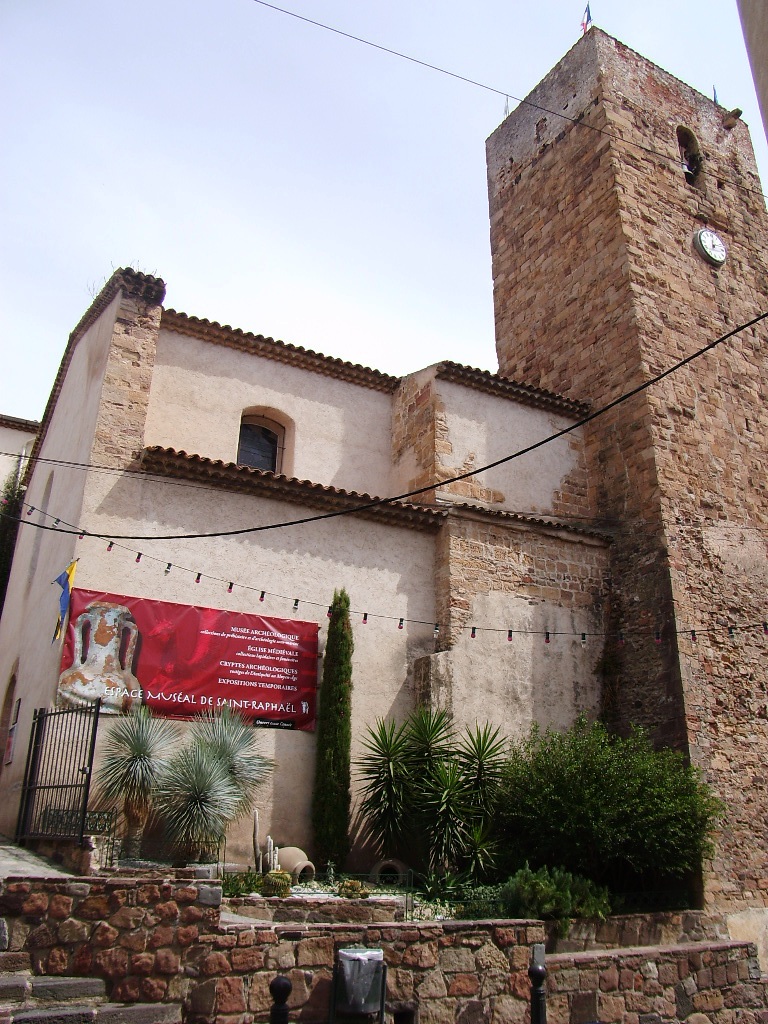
[
  {"x": 162, "y": 940},
  {"x": 657, "y": 984},
  {"x": 155, "y": 940}
]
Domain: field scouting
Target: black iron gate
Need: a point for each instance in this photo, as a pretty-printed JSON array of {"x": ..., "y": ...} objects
[{"x": 57, "y": 777}]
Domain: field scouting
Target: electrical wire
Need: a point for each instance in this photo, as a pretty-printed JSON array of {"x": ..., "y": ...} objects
[
  {"x": 487, "y": 88},
  {"x": 660, "y": 636},
  {"x": 620, "y": 637},
  {"x": 92, "y": 467},
  {"x": 378, "y": 502}
]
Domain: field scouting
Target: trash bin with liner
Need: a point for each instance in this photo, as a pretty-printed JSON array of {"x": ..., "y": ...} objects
[{"x": 359, "y": 983}]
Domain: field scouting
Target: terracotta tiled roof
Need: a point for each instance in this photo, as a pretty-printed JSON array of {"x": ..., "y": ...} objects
[
  {"x": 539, "y": 522},
  {"x": 231, "y": 477},
  {"x": 495, "y": 384},
  {"x": 282, "y": 351},
  {"x": 14, "y": 423}
]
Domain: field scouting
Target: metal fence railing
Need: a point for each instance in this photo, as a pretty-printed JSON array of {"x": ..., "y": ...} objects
[{"x": 57, "y": 775}]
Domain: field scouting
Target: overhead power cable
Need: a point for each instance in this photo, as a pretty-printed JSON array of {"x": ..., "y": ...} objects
[
  {"x": 659, "y": 633},
  {"x": 488, "y": 88},
  {"x": 95, "y": 467},
  {"x": 377, "y": 502}
]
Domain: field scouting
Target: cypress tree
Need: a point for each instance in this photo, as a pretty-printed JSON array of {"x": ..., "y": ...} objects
[{"x": 331, "y": 798}]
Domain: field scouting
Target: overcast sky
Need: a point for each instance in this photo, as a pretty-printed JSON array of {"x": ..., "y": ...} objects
[{"x": 281, "y": 178}]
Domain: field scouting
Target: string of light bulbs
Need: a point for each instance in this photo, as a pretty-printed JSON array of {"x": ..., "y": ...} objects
[{"x": 619, "y": 637}]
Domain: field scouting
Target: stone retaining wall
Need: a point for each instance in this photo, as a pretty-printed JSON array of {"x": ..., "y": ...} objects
[
  {"x": 136, "y": 934},
  {"x": 155, "y": 940},
  {"x": 163, "y": 940},
  {"x": 316, "y": 911},
  {"x": 667, "y": 928},
  {"x": 655, "y": 984},
  {"x": 448, "y": 972}
]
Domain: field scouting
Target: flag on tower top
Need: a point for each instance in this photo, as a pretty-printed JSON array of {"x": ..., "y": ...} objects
[{"x": 586, "y": 21}]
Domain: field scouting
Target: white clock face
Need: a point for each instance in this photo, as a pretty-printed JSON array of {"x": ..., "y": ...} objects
[{"x": 711, "y": 246}]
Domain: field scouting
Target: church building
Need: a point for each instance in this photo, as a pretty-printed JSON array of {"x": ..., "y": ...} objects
[{"x": 576, "y": 533}]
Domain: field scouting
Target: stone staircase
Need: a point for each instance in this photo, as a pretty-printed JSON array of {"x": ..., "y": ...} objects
[{"x": 25, "y": 999}]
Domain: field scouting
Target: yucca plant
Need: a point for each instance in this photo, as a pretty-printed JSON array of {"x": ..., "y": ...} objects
[
  {"x": 227, "y": 738},
  {"x": 197, "y": 799},
  {"x": 442, "y": 813},
  {"x": 384, "y": 771},
  {"x": 430, "y": 737},
  {"x": 135, "y": 755},
  {"x": 481, "y": 754},
  {"x": 428, "y": 796}
]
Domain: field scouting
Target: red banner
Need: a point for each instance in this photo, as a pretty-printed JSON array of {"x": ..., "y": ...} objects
[{"x": 182, "y": 660}]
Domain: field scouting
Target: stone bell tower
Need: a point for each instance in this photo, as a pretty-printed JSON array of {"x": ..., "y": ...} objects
[{"x": 600, "y": 186}]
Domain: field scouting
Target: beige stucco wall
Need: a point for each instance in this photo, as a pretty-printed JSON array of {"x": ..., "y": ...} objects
[
  {"x": 31, "y": 606},
  {"x": 514, "y": 684},
  {"x": 13, "y": 442},
  {"x": 199, "y": 391},
  {"x": 386, "y": 571},
  {"x": 189, "y": 394},
  {"x": 482, "y": 428}
]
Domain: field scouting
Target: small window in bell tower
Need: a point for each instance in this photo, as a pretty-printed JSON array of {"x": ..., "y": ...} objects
[{"x": 691, "y": 159}]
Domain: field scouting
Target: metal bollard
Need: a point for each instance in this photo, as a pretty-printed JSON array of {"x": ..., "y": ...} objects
[
  {"x": 280, "y": 988},
  {"x": 537, "y": 972}
]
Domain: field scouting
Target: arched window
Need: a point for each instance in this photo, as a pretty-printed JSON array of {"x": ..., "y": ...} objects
[
  {"x": 9, "y": 718},
  {"x": 261, "y": 444},
  {"x": 690, "y": 154}
]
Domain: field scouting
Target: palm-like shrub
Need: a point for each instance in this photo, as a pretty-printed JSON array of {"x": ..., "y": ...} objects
[
  {"x": 135, "y": 755},
  {"x": 228, "y": 739},
  {"x": 385, "y": 771},
  {"x": 211, "y": 781},
  {"x": 425, "y": 787},
  {"x": 481, "y": 756},
  {"x": 197, "y": 790},
  {"x": 197, "y": 799}
]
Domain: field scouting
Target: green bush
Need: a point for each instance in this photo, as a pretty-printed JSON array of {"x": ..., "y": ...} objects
[
  {"x": 480, "y": 902},
  {"x": 11, "y": 504},
  {"x": 607, "y": 807},
  {"x": 242, "y": 883},
  {"x": 552, "y": 894},
  {"x": 547, "y": 894},
  {"x": 351, "y": 889},
  {"x": 276, "y": 883}
]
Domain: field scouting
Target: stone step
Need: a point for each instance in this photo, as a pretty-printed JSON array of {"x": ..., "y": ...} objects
[
  {"x": 104, "y": 1013},
  {"x": 55, "y": 1015},
  {"x": 25, "y": 999},
  {"x": 138, "y": 1013},
  {"x": 46, "y": 990}
]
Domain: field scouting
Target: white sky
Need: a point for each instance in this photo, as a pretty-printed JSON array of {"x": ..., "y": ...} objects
[{"x": 280, "y": 178}]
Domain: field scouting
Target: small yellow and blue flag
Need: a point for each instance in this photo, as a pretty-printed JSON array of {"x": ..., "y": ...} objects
[{"x": 64, "y": 580}]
